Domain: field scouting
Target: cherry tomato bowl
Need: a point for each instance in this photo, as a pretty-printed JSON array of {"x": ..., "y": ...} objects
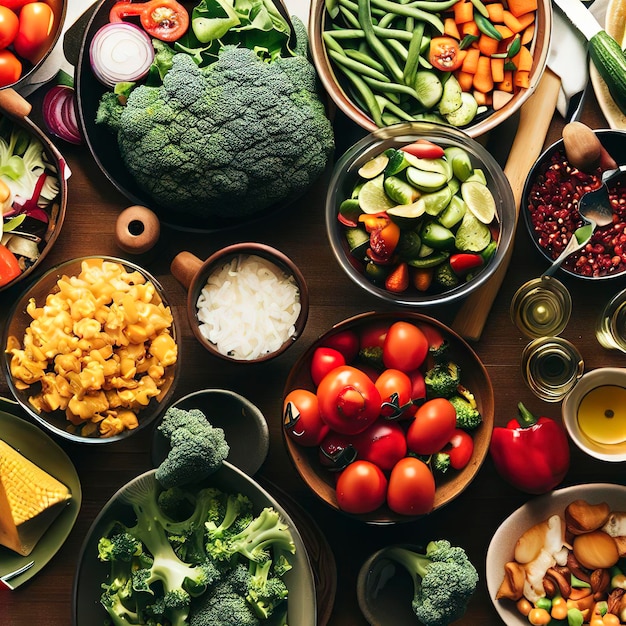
[
  {"x": 307, "y": 449},
  {"x": 357, "y": 257},
  {"x": 342, "y": 89}
]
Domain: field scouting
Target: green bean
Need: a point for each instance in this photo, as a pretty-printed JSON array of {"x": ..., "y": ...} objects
[
  {"x": 396, "y": 110},
  {"x": 371, "y": 105},
  {"x": 415, "y": 47},
  {"x": 349, "y": 17},
  {"x": 387, "y": 87},
  {"x": 486, "y": 27},
  {"x": 383, "y": 33},
  {"x": 352, "y": 5},
  {"x": 432, "y": 5},
  {"x": 332, "y": 7},
  {"x": 356, "y": 66},
  {"x": 386, "y": 20},
  {"x": 416, "y": 12},
  {"x": 397, "y": 48},
  {"x": 365, "y": 17},
  {"x": 480, "y": 7},
  {"x": 366, "y": 59}
]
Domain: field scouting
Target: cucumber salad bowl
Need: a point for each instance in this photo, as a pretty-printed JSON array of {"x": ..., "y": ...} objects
[{"x": 419, "y": 214}]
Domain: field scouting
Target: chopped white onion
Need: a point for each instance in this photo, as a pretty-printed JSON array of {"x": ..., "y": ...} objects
[
  {"x": 248, "y": 308},
  {"x": 120, "y": 52}
]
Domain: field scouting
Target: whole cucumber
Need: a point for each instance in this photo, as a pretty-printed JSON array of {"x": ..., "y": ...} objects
[{"x": 610, "y": 61}]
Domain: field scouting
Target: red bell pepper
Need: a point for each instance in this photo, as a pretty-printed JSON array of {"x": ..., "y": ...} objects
[
  {"x": 9, "y": 266},
  {"x": 464, "y": 262},
  {"x": 531, "y": 453}
]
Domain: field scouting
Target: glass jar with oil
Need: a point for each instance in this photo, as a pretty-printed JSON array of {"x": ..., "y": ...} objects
[{"x": 611, "y": 325}]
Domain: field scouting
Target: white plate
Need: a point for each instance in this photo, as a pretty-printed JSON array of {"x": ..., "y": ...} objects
[
  {"x": 538, "y": 509},
  {"x": 615, "y": 23}
]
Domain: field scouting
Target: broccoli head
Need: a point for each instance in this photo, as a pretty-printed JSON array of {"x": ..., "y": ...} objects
[
  {"x": 468, "y": 416},
  {"x": 226, "y": 140},
  {"x": 197, "y": 449},
  {"x": 222, "y": 605},
  {"x": 444, "y": 580},
  {"x": 442, "y": 380}
]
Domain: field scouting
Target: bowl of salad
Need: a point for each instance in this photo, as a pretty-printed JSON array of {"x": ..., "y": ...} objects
[
  {"x": 387, "y": 417},
  {"x": 419, "y": 214},
  {"x": 33, "y": 191},
  {"x": 470, "y": 65}
]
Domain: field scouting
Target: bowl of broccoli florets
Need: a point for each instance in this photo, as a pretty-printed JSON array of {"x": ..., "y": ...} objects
[
  {"x": 227, "y": 125},
  {"x": 197, "y": 553}
]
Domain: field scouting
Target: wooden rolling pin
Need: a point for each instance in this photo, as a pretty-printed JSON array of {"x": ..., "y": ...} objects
[{"x": 535, "y": 117}]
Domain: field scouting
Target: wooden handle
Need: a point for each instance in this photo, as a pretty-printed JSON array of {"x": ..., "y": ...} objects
[
  {"x": 14, "y": 104},
  {"x": 535, "y": 117},
  {"x": 184, "y": 267}
]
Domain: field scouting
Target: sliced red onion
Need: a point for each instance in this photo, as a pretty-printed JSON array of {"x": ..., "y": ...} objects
[
  {"x": 59, "y": 113},
  {"x": 120, "y": 52}
]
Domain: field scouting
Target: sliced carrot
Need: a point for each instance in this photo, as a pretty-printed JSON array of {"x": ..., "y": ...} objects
[
  {"x": 497, "y": 70},
  {"x": 482, "y": 99},
  {"x": 507, "y": 83},
  {"x": 470, "y": 62},
  {"x": 526, "y": 19},
  {"x": 470, "y": 28},
  {"x": 463, "y": 11},
  {"x": 523, "y": 60},
  {"x": 483, "y": 80},
  {"x": 495, "y": 10},
  {"x": 504, "y": 30},
  {"x": 528, "y": 34},
  {"x": 451, "y": 29},
  {"x": 466, "y": 80},
  {"x": 519, "y": 7},
  {"x": 422, "y": 277},
  {"x": 487, "y": 45},
  {"x": 522, "y": 79},
  {"x": 517, "y": 24}
]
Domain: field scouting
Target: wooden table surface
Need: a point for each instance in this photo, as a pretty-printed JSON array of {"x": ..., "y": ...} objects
[{"x": 299, "y": 231}]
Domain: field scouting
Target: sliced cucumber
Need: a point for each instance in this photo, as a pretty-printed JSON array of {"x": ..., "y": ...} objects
[
  {"x": 400, "y": 191},
  {"x": 358, "y": 241},
  {"x": 460, "y": 161},
  {"x": 453, "y": 213},
  {"x": 425, "y": 181},
  {"x": 472, "y": 235},
  {"x": 437, "y": 201},
  {"x": 411, "y": 211},
  {"x": 432, "y": 260},
  {"x": 452, "y": 97},
  {"x": 464, "y": 113},
  {"x": 428, "y": 87}
]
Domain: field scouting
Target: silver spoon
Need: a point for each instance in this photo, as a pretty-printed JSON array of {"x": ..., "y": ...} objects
[{"x": 595, "y": 208}]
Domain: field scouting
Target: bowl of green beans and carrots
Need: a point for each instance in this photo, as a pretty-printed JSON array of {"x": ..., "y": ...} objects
[{"x": 469, "y": 64}]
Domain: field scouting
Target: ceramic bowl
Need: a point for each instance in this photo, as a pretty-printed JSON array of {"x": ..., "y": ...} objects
[
  {"x": 345, "y": 176},
  {"x": 56, "y": 422},
  {"x": 594, "y": 413},
  {"x": 15, "y": 110},
  {"x": 542, "y": 229},
  {"x": 536, "y": 510},
  {"x": 243, "y": 423},
  {"x": 194, "y": 273},
  {"x": 91, "y": 572},
  {"x": 450, "y": 485},
  {"x": 343, "y": 96}
]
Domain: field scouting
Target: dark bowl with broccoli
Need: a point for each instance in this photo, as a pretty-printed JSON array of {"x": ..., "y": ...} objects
[
  {"x": 419, "y": 214},
  {"x": 451, "y": 369},
  {"x": 234, "y": 487},
  {"x": 215, "y": 144}
]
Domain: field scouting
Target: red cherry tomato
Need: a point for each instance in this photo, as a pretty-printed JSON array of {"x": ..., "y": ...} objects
[
  {"x": 346, "y": 342},
  {"x": 301, "y": 418},
  {"x": 374, "y": 336},
  {"x": 10, "y": 68},
  {"x": 405, "y": 347},
  {"x": 444, "y": 53},
  {"x": 460, "y": 449},
  {"x": 9, "y": 25},
  {"x": 348, "y": 400},
  {"x": 325, "y": 360},
  {"x": 33, "y": 35},
  {"x": 435, "y": 338},
  {"x": 395, "y": 389},
  {"x": 383, "y": 443},
  {"x": 361, "y": 488},
  {"x": 336, "y": 451},
  {"x": 411, "y": 489},
  {"x": 14, "y": 4},
  {"x": 432, "y": 427},
  {"x": 166, "y": 20},
  {"x": 424, "y": 149},
  {"x": 9, "y": 266}
]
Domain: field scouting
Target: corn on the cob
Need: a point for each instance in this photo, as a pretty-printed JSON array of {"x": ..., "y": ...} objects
[{"x": 30, "y": 499}]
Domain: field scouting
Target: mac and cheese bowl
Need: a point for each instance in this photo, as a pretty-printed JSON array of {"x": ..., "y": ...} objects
[{"x": 91, "y": 350}]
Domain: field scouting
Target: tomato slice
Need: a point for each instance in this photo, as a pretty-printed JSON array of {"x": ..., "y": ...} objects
[
  {"x": 444, "y": 53},
  {"x": 166, "y": 20},
  {"x": 121, "y": 10}
]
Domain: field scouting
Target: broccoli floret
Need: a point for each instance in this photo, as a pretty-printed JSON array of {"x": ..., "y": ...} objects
[
  {"x": 442, "y": 380},
  {"x": 109, "y": 111},
  {"x": 197, "y": 449},
  {"x": 444, "y": 580},
  {"x": 445, "y": 276},
  {"x": 373, "y": 356},
  {"x": 264, "y": 533},
  {"x": 119, "y": 547},
  {"x": 230, "y": 139},
  {"x": 468, "y": 416},
  {"x": 232, "y": 518},
  {"x": 266, "y": 591},
  {"x": 222, "y": 606},
  {"x": 440, "y": 462}
]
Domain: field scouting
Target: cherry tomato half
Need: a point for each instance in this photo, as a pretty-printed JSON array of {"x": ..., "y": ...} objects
[
  {"x": 348, "y": 400},
  {"x": 9, "y": 25},
  {"x": 460, "y": 449},
  {"x": 424, "y": 149},
  {"x": 395, "y": 389},
  {"x": 361, "y": 488},
  {"x": 325, "y": 360},
  {"x": 432, "y": 427},
  {"x": 10, "y": 68},
  {"x": 301, "y": 418},
  {"x": 36, "y": 21},
  {"x": 411, "y": 489},
  {"x": 405, "y": 347},
  {"x": 383, "y": 443},
  {"x": 444, "y": 54},
  {"x": 166, "y": 20}
]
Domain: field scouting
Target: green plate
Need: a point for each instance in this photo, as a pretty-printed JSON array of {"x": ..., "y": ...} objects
[{"x": 35, "y": 445}]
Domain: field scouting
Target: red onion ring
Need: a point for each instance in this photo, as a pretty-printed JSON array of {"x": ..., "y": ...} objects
[{"x": 59, "y": 113}]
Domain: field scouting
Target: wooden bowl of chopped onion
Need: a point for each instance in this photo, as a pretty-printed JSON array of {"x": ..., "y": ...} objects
[{"x": 248, "y": 302}]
